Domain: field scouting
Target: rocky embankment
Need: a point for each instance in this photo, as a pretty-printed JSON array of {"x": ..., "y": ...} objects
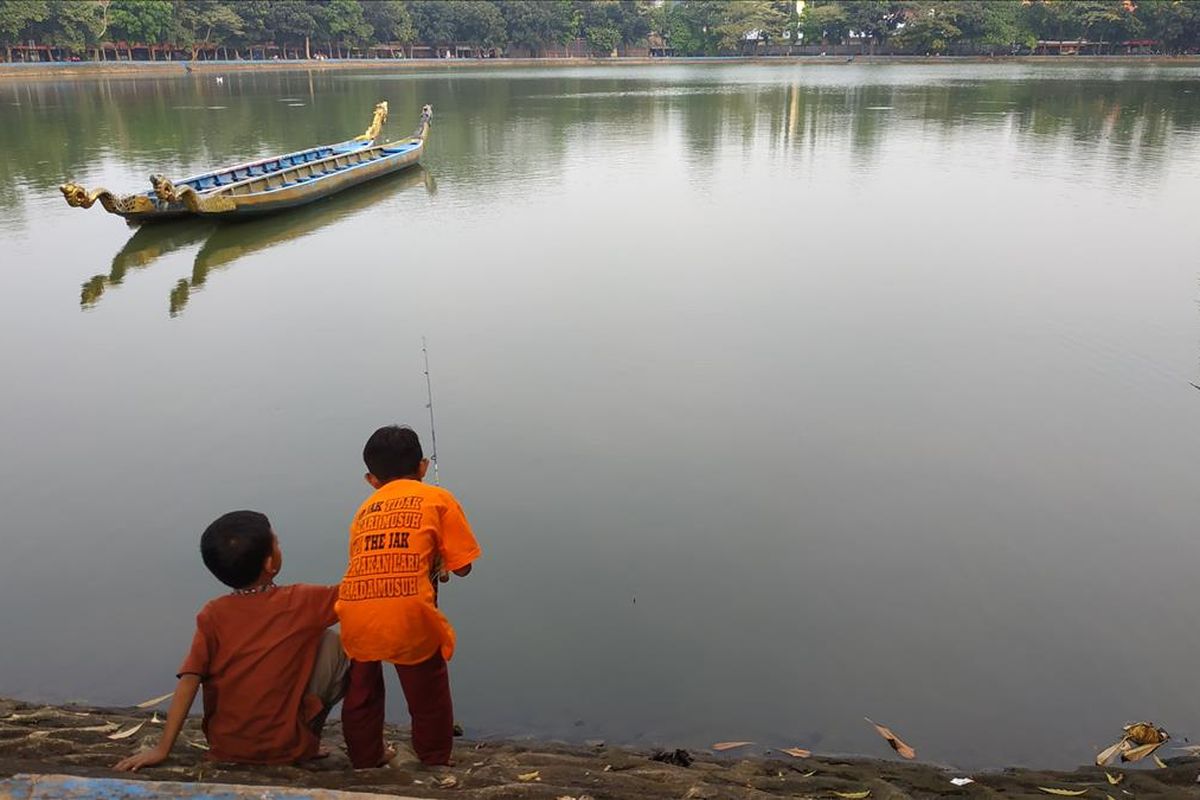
[{"x": 81, "y": 740}]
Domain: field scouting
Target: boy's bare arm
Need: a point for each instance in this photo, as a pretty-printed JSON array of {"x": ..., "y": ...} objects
[{"x": 185, "y": 693}]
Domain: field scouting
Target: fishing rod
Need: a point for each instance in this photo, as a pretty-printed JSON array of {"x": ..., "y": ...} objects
[{"x": 432, "y": 430}]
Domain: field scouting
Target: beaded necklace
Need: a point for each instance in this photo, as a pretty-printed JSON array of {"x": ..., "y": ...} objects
[{"x": 255, "y": 589}]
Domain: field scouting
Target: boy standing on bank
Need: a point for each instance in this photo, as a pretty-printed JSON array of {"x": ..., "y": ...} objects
[{"x": 405, "y": 533}]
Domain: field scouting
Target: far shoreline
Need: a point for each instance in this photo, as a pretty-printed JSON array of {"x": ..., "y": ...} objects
[{"x": 135, "y": 69}]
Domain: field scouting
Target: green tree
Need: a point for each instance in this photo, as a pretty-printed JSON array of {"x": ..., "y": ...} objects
[
  {"x": 141, "y": 21},
  {"x": 291, "y": 22},
  {"x": 17, "y": 18},
  {"x": 479, "y": 23},
  {"x": 1051, "y": 19},
  {"x": 824, "y": 23},
  {"x": 691, "y": 26},
  {"x": 876, "y": 20},
  {"x": 927, "y": 32},
  {"x": 742, "y": 18},
  {"x": 207, "y": 22},
  {"x": 433, "y": 20},
  {"x": 340, "y": 23},
  {"x": 390, "y": 20},
  {"x": 607, "y": 24},
  {"x": 72, "y": 24},
  {"x": 535, "y": 24},
  {"x": 1176, "y": 24},
  {"x": 1108, "y": 20}
]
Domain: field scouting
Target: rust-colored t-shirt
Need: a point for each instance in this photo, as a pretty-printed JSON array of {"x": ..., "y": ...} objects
[
  {"x": 387, "y": 604},
  {"x": 254, "y": 654}
]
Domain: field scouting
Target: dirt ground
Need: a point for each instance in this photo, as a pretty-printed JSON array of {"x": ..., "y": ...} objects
[{"x": 77, "y": 740}]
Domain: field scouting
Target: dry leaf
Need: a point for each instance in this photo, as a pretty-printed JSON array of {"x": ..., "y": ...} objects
[
  {"x": 808, "y": 774},
  {"x": 797, "y": 752},
  {"x": 1107, "y": 755},
  {"x": 895, "y": 741},
  {"x": 536, "y": 775},
  {"x": 854, "y": 795},
  {"x": 105, "y": 728},
  {"x": 1064, "y": 792},
  {"x": 153, "y": 701},
  {"x": 197, "y": 745},
  {"x": 1138, "y": 753},
  {"x": 155, "y": 720},
  {"x": 1161, "y": 764},
  {"x": 1114, "y": 779},
  {"x": 1145, "y": 733},
  {"x": 729, "y": 745},
  {"x": 448, "y": 782},
  {"x": 125, "y": 734}
]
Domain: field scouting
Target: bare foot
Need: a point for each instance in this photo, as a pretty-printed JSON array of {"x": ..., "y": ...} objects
[{"x": 389, "y": 753}]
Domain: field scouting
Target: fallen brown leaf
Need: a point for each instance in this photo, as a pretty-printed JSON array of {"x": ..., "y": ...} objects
[
  {"x": 730, "y": 745},
  {"x": 1145, "y": 733},
  {"x": 1108, "y": 754},
  {"x": 796, "y": 752},
  {"x": 895, "y": 741},
  {"x": 536, "y": 775},
  {"x": 854, "y": 795},
  {"x": 1114, "y": 779},
  {"x": 1161, "y": 764},
  {"x": 1138, "y": 753}
]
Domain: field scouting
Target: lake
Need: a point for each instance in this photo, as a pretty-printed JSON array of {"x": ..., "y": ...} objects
[{"x": 778, "y": 395}]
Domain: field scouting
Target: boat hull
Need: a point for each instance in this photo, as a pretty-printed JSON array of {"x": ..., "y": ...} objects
[{"x": 287, "y": 197}]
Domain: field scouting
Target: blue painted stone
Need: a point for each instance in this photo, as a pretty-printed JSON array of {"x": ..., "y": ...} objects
[{"x": 71, "y": 787}]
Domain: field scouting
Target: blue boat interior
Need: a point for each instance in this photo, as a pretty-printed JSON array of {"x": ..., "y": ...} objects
[{"x": 216, "y": 180}]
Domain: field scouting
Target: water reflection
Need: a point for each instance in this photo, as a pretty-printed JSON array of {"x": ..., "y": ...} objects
[
  {"x": 228, "y": 243},
  {"x": 147, "y": 245},
  {"x": 231, "y": 243},
  {"x": 176, "y": 125}
]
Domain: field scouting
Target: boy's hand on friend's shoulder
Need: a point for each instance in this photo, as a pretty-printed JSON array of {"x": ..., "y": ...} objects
[{"x": 146, "y": 758}]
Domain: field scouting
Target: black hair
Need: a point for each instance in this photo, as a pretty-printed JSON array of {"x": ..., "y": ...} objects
[
  {"x": 235, "y": 546},
  {"x": 393, "y": 451}
]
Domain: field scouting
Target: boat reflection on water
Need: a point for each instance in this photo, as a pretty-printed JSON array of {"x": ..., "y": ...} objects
[
  {"x": 145, "y": 247},
  {"x": 230, "y": 242},
  {"x": 234, "y": 241}
]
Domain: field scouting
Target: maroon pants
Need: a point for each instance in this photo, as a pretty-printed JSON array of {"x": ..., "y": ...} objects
[{"x": 426, "y": 689}]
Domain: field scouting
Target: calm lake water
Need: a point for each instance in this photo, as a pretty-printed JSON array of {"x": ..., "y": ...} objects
[{"x": 778, "y": 395}]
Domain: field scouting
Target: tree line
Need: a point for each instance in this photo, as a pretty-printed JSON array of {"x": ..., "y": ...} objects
[{"x": 336, "y": 28}]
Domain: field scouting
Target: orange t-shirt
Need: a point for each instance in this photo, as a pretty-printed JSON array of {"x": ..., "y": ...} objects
[
  {"x": 386, "y": 603},
  {"x": 254, "y": 654}
]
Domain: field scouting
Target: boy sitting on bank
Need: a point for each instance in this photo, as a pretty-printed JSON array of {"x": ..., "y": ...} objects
[
  {"x": 402, "y": 535},
  {"x": 270, "y": 670}
]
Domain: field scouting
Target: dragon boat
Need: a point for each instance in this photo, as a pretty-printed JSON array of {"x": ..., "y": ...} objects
[
  {"x": 305, "y": 182},
  {"x": 163, "y": 202}
]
